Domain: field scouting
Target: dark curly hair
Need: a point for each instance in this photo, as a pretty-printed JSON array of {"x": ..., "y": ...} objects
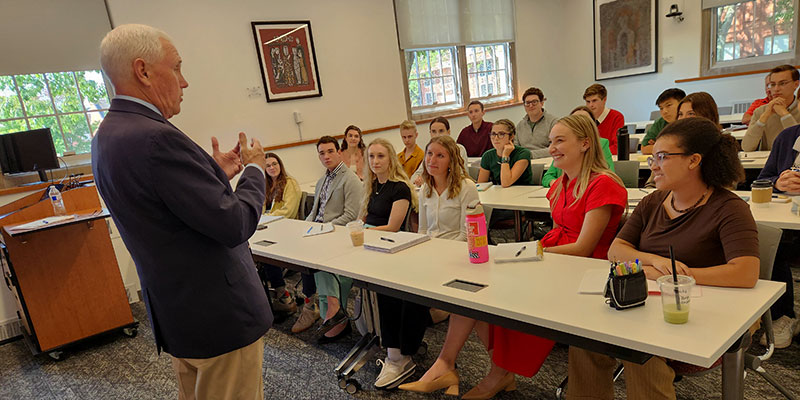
[{"x": 720, "y": 166}]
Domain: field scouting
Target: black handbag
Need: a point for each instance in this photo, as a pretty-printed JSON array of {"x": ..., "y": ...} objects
[{"x": 626, "y": 291}]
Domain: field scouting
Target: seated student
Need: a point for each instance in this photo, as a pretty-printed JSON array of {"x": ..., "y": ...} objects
[
  {"x": 388, "y": 196},
  {"x": 412, "y": 155},
  {"x": 610, "y": 120},
  {"x": 748, "y": 115},
  {"x": 667, "y": 103},
  {"x": 353, "y": 150},
  {"x": 533, "y": 128},
  {"x": 785, "y": 154},
  {"x": 337, "y": 199},
  {"x": 698, "y": 104},
  {"x": 506, "y": 164},
  {"x": 554, "y": 172},
  {"x": 283, "y": 199},
  {"x": 439, "y": 126},
  {"x": 587, "y": 203},
  {"x": 475, "y": 136},
  {"x": 780, "y": 113},
  {"x": 711, "y": 229}
]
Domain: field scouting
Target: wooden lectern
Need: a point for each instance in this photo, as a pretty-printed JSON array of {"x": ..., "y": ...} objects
[{"x": 64, "y": 276}]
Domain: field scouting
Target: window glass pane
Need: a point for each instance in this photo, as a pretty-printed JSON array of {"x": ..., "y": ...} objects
[
  {"x": 427, "y": 93},
  {"x": 473, "y": 86},
  {"x": 64, "y": 91},
  {"x": 95, "y": 117},
  {"x": 413, "y": 93},
  {"x": 450, "y": 89},
  {"x": 422, "y": 59},
  {"x": 482, "y": 89},
  {"x": 76, "y": 133},
  {"x": 436, "y": 65},
  {"x": 480, "y": 60},
  {"x": 447, "y": 62},
  {"x": 9, "y": 101},
  {"x": 34, "y": 93},
  {"x": 50, "y": 122},
  {"x": 93, "y": 90},
  {"x": 500, "y": 51},
  {"x": 14, "y": 125},
  {"x": 471, "y": 64},
  {"x": 502, "y": 82},
  {"x": 490, "y": 64}
]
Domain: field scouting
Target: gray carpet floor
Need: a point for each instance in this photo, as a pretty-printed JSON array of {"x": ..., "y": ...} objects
[{"x": 115, "y": 366}]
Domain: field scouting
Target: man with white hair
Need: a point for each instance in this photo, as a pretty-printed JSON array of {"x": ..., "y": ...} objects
[{"x": 184, "y": 225}]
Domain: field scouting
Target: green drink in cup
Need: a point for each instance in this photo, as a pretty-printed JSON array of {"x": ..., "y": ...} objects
[{"x": 675, "y": 298}]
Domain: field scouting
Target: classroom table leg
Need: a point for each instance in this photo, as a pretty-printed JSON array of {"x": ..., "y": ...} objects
[
  {"x": 733, "y": 372},
  {"x": 518, "y": 225}
]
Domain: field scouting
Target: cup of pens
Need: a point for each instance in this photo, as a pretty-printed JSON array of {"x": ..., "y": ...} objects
[{"x": 675, "y": 297}]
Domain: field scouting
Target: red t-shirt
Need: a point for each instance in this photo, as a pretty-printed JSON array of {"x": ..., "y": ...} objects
[
  {"x": 602, "y": 190},
  {"x": 757, "y": 103},
  {"x": 608, "y": 128}
]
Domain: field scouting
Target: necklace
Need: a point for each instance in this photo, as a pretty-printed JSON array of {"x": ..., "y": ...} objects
[
  {"x": 692, "y": 207},
  {"x": 379, "y": 186}
]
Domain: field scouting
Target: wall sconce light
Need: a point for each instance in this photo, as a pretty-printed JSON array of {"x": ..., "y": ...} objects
[{"x": 675, "y": 13}]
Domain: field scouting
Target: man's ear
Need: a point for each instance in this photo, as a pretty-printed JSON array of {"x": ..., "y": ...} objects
[{"x": 140, "y": 71}]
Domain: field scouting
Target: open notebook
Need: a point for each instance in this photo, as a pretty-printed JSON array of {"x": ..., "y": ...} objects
[
  {"x": 318, "y": 229},
  {"x": 394, "y": 242}
]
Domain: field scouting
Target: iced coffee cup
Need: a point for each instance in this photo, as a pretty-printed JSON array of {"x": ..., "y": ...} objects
[
  {"x": 675, "y": 298},
  {"x": 356, "y": 229},
  {"x": 761, "y": 191}
]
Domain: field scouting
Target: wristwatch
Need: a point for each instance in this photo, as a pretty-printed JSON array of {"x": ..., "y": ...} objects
[{"x": 504, "y": 159}]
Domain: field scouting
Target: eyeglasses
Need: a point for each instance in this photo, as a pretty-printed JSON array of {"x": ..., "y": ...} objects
[
  {"x": 660, "y": 156},
  {"x": 532, "y": 103},
  {"x": 498, "y": 135},
  {"x": 773, "y": 85}
]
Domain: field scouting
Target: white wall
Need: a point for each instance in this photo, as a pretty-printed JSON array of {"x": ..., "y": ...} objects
[{"x": 635, "y": 96}]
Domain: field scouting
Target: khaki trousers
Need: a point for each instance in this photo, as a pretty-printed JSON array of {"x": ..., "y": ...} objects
[
  {"x": 233, "y": 375},
  {"x": 591, "y": 377}
]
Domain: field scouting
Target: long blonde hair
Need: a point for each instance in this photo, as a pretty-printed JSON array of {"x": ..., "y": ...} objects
[
  {"x": 396, "y": 174},
  {"x": 593, "y": 160},
  {"x": 455, "y": 171}
]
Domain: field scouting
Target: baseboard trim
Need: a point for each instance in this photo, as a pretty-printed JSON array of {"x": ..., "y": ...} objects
[{"x": 10, "y": 330}]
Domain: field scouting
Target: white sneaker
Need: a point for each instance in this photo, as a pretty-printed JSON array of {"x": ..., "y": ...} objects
[
  {"x": 394, "y": 373},
  {"x": 785, "y": 329}
]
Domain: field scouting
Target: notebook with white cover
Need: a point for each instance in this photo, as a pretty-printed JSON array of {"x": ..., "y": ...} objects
[
  {"x": 318, "y": 229},
  {"x": 394, "y": 242},
  {"x": 516, "y": 252},
  {"x": 40, "y": 223}
]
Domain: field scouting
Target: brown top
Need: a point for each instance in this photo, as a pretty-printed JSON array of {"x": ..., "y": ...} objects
[{"x": 709, "y": 235}]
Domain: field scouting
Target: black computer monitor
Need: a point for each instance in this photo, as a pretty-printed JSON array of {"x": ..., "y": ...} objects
[{"x": 28, "y": 151}]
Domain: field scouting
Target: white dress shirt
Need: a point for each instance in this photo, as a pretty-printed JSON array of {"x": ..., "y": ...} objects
[{"x": 442, "y": 217}]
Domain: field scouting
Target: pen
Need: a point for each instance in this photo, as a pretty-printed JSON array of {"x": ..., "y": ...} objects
[
  {"x": 309, "y": 230},
  {"x": 387, "y": 239},
  {"x": 520, "y": 251},
  {"x": 644, "y": 191}
]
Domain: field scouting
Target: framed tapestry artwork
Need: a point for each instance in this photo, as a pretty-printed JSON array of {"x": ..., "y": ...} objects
[
  {"x": 287, "y": 59},
  {"x": 625, "y": 38}
]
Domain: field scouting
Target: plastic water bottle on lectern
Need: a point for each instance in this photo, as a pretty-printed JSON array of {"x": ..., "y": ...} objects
[
  {"x": 57, "y": 201},
  {"x": 477, "y": 235}
]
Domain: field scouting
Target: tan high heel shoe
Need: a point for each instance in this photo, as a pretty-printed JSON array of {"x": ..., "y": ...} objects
[
  {"x": 508, "y": 384},
  {"x": 448, "y": 380}
]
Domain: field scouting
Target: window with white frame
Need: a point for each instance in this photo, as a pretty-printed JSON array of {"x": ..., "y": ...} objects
[
  {"x": 747, "y": 35},
  {"x": 489, "y": 71},
  {"x": 71, "y": 104},
  {"x": 455, "y": 51}
]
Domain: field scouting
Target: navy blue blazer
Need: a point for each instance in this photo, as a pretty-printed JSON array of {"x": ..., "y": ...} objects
[{"x": 186, "y": 230}]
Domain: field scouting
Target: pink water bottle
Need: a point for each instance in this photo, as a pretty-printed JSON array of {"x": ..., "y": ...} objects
[{"x": 477, "y": 235}]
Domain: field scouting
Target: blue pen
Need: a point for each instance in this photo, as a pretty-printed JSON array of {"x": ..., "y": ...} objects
[{"x": 309, "y": 230}]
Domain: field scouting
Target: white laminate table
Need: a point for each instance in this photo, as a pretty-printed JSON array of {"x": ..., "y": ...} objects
[
  {"x": 539, "y": 298},
  {"x": 730, "y": 119}
]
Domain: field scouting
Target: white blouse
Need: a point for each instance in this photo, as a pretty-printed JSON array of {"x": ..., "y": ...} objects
[{"x": 441, "y": 217}]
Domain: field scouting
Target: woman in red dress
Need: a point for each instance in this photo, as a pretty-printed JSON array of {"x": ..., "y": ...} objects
[{"x": 587, "y": 202}]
